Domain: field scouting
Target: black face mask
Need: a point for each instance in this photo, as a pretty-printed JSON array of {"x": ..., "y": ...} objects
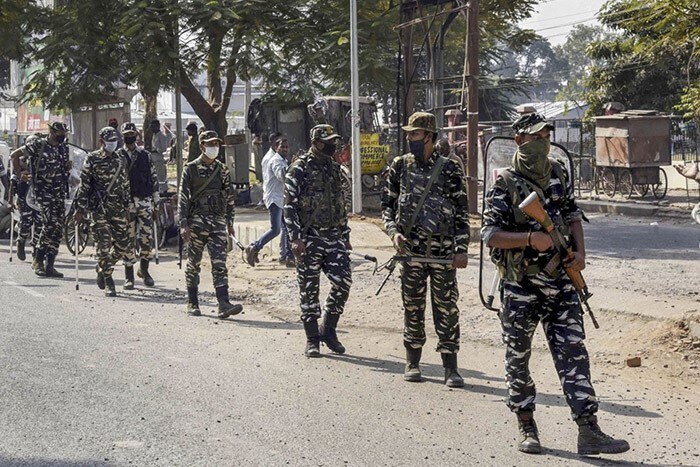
[
  {"x": 129, "y": 139},
  {"x": 328, "y": 148},
  {"x": 60, "y": 138},
  {"x": 417, "y": 148}
]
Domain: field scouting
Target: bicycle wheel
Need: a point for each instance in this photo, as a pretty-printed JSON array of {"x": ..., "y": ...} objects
[
  {"x": 608, "y": 182},
  {"x": 641, "y": 189},
  {"x": 659, "y": 190},
  {"x": 624, "y": 183}
]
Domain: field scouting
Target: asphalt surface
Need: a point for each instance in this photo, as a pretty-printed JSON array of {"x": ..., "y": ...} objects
[{"x": 89, "y": 380}]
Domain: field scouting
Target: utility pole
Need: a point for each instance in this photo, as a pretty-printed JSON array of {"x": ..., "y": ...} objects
[
  {"x": 472, "y": 74},
  {"x": 178, "y": 104},
  {"x": 355, "y": 112}
]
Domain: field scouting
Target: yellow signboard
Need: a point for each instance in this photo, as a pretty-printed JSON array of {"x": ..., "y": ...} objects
[{"x": 373, "y": 155}]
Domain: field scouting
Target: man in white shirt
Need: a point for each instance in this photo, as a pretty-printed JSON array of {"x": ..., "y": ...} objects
[
  {"x": 274, "y": 168},
  {"x": 159, "y": 145}
]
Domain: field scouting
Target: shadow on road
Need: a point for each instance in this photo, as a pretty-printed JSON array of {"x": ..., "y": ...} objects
[
  {"x": 572, "y": 456},
  {"x": 36, "y": 462}
]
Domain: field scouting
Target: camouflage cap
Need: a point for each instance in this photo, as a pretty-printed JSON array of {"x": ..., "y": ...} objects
[
  {"x": 108, "y": 134},
  {"x": 129, "y": 127},
  {"x": 323, "y": 133},
  {"x": 58, "y": 126},
  {"x": 421, "y": 121},
  {"x": 209, "y": 136},
  {"x": 530, "y": 124}
]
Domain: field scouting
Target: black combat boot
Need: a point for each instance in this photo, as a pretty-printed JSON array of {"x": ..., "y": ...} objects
[
  {"x": 529, "y": 436},
  {"x": 143, "y": 273},
  {"x": 412, "y": 371},
  {"x": 100, "y": 280},
  {"x": 128, "y": 277},
  {"x": 50, "y": 269},
  {"x": 21, "y": 254},
  {"x": 38, "y": 263},
  {"x": 110, "y": 289},
  {"x": 452, "y": 378},
  {"x": 328, "y": 334},
  {"x": 313, "y": 339},
  {"x": 592, "y": 440},
  {"x": 226, "y": 308},
  {"x": 193, "y": 302}
]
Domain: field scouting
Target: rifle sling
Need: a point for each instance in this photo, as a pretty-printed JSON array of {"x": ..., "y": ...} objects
[
  {"x": 216, "y": 171},
  {"x": 433, "y": 177}
]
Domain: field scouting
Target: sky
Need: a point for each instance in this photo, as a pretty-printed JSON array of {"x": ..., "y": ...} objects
[{"x": 554, "y": 19}]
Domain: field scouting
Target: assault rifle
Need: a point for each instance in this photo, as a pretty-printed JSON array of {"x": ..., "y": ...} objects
[
  {"x": 391, "y": 265},
  {"x": 532, "y": 207}
]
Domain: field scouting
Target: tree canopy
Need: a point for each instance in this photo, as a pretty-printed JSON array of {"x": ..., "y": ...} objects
[
  {"x": 297, "y": 48},
  {"x": 653, "y": 62}
]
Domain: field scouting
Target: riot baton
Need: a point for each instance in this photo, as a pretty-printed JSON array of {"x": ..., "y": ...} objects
[
  {"x": 76, "y": 246},
  {"x": 238, "y": 244},
  {"x": 369, "y": 258},
  {"x": 492, "y": 292},
  {"x": 155, "y": 238},
  {"x": 12, "y": 213}
]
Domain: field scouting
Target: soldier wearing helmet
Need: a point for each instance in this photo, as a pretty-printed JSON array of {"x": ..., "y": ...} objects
[
  {"x": 144, "y": 198},
  {"x": 317, "y": 222},
  {"x": 104, "y": 192},
  {"x": 48, "y": 164},
  {"x": 530, "y": 294},
  {"x": 429, "y": 224}
]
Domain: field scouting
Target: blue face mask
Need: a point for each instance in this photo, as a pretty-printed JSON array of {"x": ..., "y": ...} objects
[{"x": 417, "y": 148}]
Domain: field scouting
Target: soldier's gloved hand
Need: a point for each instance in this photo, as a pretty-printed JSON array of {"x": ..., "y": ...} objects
[
  {"x": 298, "y": 248},
  {"x": 78, "y": 217},
  {"x": 460, "y": 260},
  {"x": 25, "y": 176},
  {"x": 231, "y": 230},
  {"x": 185, "y": 233},
  {"x": 399, "y": 242},
  {"x": 541, "y": 241},
  {"x": 577, "y": 262},
  {"x": 348, "y": 245}
]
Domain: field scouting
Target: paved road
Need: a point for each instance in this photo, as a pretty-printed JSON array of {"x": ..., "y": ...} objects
[{"x": 86, "y": 380}]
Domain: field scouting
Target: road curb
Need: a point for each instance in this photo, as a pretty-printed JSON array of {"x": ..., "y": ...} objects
[{"x": 631, "y": 209}]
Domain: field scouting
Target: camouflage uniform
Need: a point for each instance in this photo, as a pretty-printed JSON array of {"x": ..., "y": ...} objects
[
  {"x": 441, "y": 230},
  {"x": 104, "y": 191},
  {"x": 29, "y": 217},
  {"x": 144, "y": 197},
  {"x": 208, "y": 218},
  {"x": 530, "y": 296},
  {"x": 308, "y": 189},
  {"x": 314, "y": 212},
  {"x": 49, "y": 168}
]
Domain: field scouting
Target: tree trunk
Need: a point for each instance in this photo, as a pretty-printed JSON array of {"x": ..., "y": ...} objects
[{"x": 150, "y": 97}]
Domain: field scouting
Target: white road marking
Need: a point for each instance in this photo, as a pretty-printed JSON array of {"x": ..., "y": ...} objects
[{"x": 24, "y": 289}]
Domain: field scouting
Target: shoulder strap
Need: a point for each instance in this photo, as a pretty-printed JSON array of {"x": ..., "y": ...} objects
[
  {"x": 326, "y": 189},
  {"x": 216, "y": 171},
  {"x": 116, "y": 175},
  {"x": 433, "y": 177}
]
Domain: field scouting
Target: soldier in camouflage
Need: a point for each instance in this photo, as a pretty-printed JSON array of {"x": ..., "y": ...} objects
[
  {"x": 521, "y": 249},
  {"x": 48, "y": 162},
  {"x": 206, "y": 212},
  {"x": 30, "y": 218},
  {"x": 104, "y": 192},
  {"x": 144, "y": 198},
  {"x": 317, "y": 222},
  {"x": 432, "y": 224}
]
